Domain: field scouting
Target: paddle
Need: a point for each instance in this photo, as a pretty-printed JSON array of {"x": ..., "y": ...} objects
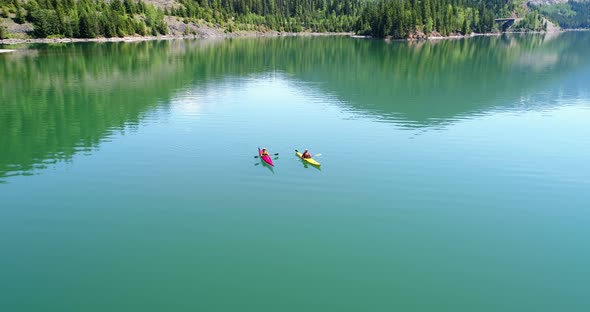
[
  {"x": 276, "y": 154},
  {"x": 316, "y": 155}
]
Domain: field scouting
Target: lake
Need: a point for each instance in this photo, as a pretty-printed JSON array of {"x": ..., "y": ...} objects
[{"x": 455, "y": 175}]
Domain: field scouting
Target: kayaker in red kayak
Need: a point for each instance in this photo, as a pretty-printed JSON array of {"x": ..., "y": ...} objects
[
  {"x": 306, "y": 154},
  {"x": 263, "y": 154}
]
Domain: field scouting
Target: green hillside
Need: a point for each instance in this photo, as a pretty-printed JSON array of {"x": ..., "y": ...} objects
[
  {"x": 572, "y": 14},
  {"x": 378, "y": 18}
]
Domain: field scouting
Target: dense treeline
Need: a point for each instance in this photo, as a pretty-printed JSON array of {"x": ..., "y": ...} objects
[
  {"x": 572, "y": 14},
  {"x": 381, "y": 18},
  {"x": 531, "y": 22},
  {"x": 87, "y": 18},
  {"x": 402, "y": 18},
  {"x": 116, "y": 18},
  {"x": 378, "y": 18},
  {"x": 282, "y": 15}
]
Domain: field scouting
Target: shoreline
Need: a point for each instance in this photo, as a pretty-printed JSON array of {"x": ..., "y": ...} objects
[
  {"x": 245, "y": 35},
  {"x": 170, "y": 37}
]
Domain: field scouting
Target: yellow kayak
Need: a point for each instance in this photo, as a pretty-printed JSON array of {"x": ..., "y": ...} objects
[{"x": 309, "y": 160}]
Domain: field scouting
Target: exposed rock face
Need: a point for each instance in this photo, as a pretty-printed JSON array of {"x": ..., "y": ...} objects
[
  {"x": 546, "y": 2},
  {"x": 176, "y": 26},
  {"x": 16, "y": 29},
  {"x": 163, "y": 3},
  {"x": 418, "y": 35},
  {"x": 550, "y": 26}
]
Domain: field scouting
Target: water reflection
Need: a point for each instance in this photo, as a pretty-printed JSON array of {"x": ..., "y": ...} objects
[
  {"x": 433, "y": 83},
  {"x": 63, "y": 99},
  {"x": 59, "y": 100},
  {"x": 261, "y": 163}
]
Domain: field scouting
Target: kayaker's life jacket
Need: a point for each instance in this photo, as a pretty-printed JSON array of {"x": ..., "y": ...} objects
[
  {"x": 306, "y": 155},
  {"x": 264, "y": 153}
]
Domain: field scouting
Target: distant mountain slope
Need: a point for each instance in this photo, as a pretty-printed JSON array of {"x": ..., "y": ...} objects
[{"x": 569, "y": 15}]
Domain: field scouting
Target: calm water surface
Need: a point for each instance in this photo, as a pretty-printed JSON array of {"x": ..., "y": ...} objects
[{"x": 455, "y": 175}]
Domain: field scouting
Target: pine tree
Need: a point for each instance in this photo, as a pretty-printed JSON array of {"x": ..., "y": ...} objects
[
  {"x": 87, "y": 26},
  {"x": 3, "y": 31},
  {"x": 19, "y": 18},
  {"x": 465, "y": 27},
  {"x": 4, "y": 11}
]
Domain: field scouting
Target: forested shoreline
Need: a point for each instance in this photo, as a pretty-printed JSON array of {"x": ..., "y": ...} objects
[
  {"x": 397, "y": 19},
  {"x": 88, "y": 18}
]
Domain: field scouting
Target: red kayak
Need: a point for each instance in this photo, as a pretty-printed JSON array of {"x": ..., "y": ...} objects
[{"x": 266, "y": 158}]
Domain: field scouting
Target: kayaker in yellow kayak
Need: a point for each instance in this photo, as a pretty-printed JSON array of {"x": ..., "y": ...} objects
[
  {"x": 306, "y": 154},
  {"x": 264, "y": 152}
]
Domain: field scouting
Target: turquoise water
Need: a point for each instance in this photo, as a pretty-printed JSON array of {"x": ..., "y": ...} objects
[{"x": 454, "y": 175}]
